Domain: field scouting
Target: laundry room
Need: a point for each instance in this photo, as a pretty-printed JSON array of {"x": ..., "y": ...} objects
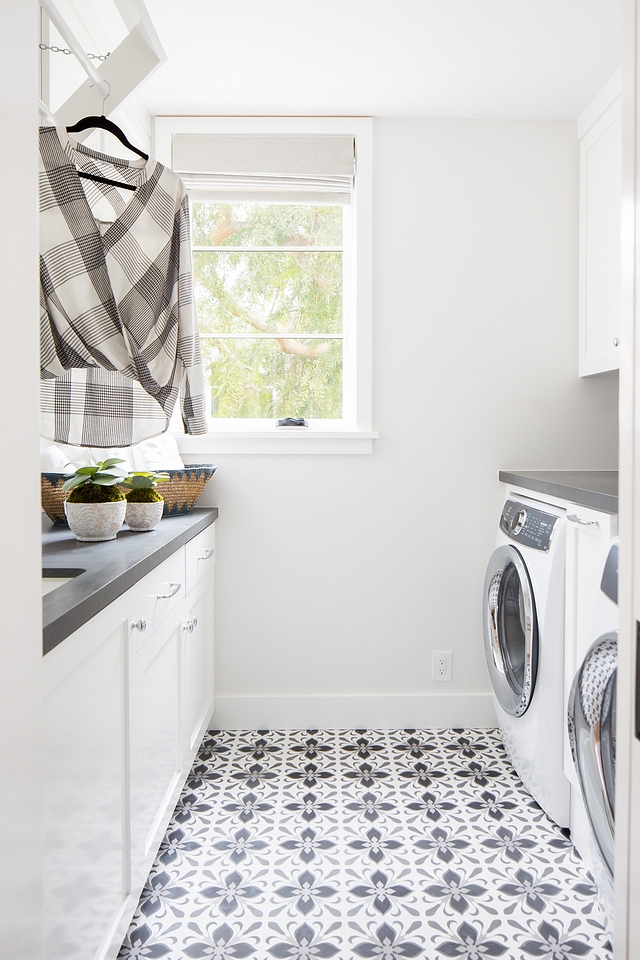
[{"x": 327, "y": 539}]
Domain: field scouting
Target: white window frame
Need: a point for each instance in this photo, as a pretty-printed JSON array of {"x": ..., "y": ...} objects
[{"x": 354, "y": 433}]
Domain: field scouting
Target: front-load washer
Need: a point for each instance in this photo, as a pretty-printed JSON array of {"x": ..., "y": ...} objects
[
  {"x": 523, "y": 620},
  {"x": 591, "y": 718}
]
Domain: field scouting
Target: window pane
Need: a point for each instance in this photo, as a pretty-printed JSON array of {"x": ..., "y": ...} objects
[
  {"x": 274, "y": 378},
  {"x": 265, "y": 225},
  {"x": 268, "y": 292}
]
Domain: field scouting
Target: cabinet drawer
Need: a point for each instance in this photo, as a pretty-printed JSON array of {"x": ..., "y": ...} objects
[
  {"x": 199, "y": 556},
  {"x": 156, "y": 596}
]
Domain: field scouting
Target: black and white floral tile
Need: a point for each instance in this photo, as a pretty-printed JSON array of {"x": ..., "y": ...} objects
[{"x": 363, "y": 843}]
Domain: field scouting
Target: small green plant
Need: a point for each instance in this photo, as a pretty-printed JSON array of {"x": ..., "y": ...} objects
[
  {"x": 141, "y": 486},
  {"x": 95, "y": 482}
]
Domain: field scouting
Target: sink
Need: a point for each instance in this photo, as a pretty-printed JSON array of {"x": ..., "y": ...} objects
[{"x": 54, "y": 577}]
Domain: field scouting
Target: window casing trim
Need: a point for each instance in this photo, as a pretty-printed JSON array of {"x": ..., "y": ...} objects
[{"x": 356, "y": 425}]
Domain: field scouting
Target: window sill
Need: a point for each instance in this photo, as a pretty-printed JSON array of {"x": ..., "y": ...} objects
[{"x": 273, "y": 440}]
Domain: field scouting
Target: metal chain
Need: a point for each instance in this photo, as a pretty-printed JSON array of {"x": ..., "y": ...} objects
[{"x": 54, "y": 49}]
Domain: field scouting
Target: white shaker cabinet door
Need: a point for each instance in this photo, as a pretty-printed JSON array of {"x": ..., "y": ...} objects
[
  {"x": 600, "y": 218},
  {"x": 156, "y": 740},
  {"x": 197, "y": 665},
  {"x": 85, "y": 796},
  {"x": 588, "y": 535}
]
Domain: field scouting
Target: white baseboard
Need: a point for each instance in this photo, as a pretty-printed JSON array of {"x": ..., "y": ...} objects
[{"x": 286, "y": 713}]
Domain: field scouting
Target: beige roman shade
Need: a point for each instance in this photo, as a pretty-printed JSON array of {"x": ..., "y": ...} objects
[{"x": 266, "y": 167}]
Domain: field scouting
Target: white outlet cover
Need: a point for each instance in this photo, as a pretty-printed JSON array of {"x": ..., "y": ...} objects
[{"x": 441, "y": 666}]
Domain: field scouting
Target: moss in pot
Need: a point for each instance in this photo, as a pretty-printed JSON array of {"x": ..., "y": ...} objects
[
  {"x": 144, "y": 503},
  {"x": 95, "y": 506}
]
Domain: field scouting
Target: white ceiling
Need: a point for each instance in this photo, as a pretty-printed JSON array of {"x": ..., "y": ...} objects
[{"x": 402, "y": 58}]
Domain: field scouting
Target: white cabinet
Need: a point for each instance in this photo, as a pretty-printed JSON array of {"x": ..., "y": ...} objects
[
  {"x": 157, "y": 759},
  {"x": 589, "y": 533},
  {"x": 200, "y": 556},
  {"x": 85, "y": 799},
  {"x": 127, "y": 698},
  {"x": 600, "y": 133},
  {"x": 197, "y": 664}
]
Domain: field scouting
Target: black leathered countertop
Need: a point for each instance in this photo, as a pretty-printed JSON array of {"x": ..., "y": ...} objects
[
  {"x": 109, "y": 568},
  {"x": 597, "y": 489}
]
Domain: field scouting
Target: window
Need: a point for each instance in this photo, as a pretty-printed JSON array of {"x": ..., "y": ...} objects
[
  {"x": 269, "y": 298},
  {"x": 282, "y": 273}
]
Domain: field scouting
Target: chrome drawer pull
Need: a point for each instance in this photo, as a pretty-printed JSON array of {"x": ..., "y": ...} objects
[
  {"x": 173, "y": 589},
  {"x": 190, "y": 625},
  {"x": 583, "y": 523},
  {"x": 140, "y": 625},
  {"x": 206, "y": 554}
]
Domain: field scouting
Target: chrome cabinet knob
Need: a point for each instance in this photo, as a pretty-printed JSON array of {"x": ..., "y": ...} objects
[
  {"x": 173, "y": 589},
  {"x": 616, "y": 341},
  {"x": 190, "y": 625},
  {"x": 206, "y": 554},
  {"x": 140, "y": 625}
]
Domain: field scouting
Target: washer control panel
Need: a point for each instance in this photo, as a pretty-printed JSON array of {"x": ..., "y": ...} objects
[{"x": 528, "y": 526}]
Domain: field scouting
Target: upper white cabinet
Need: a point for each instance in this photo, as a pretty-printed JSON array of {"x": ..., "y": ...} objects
[{"x": 600, "y": 136}]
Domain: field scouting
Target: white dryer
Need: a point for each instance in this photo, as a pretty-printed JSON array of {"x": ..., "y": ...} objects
[
  {"x": 523, "y": 620},
  {"x": 591, "y": 718}
]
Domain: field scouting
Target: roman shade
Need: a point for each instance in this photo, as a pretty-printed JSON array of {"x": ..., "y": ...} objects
[{"x": 272, "y": 168}]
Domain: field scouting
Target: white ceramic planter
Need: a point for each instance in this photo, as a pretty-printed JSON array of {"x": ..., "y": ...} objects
[
  {"x": 144, "y": 516},
  {"x": 95, "y": 521}
]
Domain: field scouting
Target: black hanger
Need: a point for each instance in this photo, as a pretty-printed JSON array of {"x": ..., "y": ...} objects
[{"x": 105, "y": 124}]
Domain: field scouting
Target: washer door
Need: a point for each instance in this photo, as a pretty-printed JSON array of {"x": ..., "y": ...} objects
[
  {"x": 510, "y": 630},
  {"x": 592, "y": 734}
]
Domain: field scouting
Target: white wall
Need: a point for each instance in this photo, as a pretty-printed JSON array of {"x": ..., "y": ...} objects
[
  {"x": 338, "y": 575},
  {"x": 20, "y": 603}
]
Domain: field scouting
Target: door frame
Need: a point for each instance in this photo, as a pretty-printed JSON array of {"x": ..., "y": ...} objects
[{"x": 627, "y": 883}]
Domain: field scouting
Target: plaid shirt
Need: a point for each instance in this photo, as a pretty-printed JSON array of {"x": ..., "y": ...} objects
[{"x": 119, "y": 339}]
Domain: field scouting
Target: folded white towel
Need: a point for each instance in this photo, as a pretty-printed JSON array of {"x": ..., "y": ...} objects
[
  {"x": 59, "y": 459},
  {"x": 158, "y": 453},
  {"x": 53, "y": 460}
]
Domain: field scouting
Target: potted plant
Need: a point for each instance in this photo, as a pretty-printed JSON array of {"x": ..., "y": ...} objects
[
  {"x": 95, "y": 506},
  {"x": 144, "y": 503}
]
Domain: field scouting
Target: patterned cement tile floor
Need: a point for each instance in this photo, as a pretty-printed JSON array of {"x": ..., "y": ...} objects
[{"x": 312, "y": 844}]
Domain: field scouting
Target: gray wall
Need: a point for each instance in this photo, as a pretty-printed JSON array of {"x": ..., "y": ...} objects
[{"x": 337, "y": 576}]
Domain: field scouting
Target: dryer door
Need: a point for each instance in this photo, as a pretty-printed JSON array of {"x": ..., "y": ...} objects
[
  {"x": 592, "y": 734},
  {"x": 510, "y": 630}
]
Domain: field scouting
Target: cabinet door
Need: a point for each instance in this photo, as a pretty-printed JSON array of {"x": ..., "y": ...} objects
[
  {"x": 587, "y": 538},
  {"x": 197, "y": 665},
  {"x": 200, "y": 556},
  {"x": 600, "y": 218},
  {"x": 86, "y": 878},
  {"x": 155, "y": 745}
]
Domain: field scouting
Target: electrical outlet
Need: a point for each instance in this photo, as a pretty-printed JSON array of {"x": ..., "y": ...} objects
[{"x": 441, "y": 665}]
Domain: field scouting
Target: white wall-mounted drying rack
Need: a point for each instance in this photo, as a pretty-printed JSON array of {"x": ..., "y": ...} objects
[
  {"x": 101, "y": 85},
  {"x": 133, "y": 60}
]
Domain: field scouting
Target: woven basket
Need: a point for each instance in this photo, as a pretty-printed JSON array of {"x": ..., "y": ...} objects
[{"x": 179, "y": 493}]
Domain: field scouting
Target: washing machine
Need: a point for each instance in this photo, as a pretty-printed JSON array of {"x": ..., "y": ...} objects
[
  {"x": 591, "y": 719},
  {"x": 523, "y": 620}
]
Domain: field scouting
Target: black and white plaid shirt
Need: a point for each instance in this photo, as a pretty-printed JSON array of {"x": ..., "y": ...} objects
[{"x": 119, "y": 338}]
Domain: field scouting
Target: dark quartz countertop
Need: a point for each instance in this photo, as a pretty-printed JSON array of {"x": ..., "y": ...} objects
[
  {"x": 109, "y": 568},
  {"x": 597, "y": 489}
]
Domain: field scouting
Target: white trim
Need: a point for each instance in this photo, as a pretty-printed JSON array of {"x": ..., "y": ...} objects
[
  {"x": 322, "y": 712},
  {"x": 283, "y": 440},
  {"x": 354, "y": 433},
  {"x": 600, "y": 103},
  {"x": 627, "y": 878}
]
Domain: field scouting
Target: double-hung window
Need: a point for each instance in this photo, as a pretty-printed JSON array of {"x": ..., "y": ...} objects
[{"x": 281, "y": 211}]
